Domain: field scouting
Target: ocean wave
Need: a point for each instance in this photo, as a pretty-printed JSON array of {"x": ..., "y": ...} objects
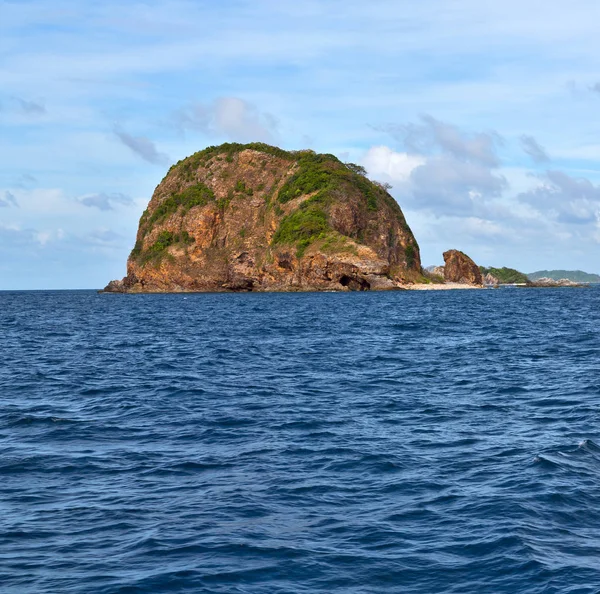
[{"x": 300, "y": 443}]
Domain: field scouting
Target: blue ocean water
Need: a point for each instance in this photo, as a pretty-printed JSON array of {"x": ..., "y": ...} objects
[{"x": 268, "y": 443}]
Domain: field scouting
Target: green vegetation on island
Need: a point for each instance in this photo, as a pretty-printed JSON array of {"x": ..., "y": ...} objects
[
  {"x": 196, "y": 195},
  {"x": 302, "y": 227},
  {"x": 504, "y": 275},
  {"x": 159, "y": 248},
  {"x": 323, "y": 177}
]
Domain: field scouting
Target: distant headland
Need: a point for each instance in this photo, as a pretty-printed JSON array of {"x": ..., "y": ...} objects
[{"x": 577, "y": 276}]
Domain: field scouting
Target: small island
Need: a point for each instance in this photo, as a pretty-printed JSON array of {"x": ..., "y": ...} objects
[{"x": 254, "y": 217}]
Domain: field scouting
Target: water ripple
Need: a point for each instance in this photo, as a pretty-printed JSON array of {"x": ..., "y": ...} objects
[{"x": 406, "y": 442}]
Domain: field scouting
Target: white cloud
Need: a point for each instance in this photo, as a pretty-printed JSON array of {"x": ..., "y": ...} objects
[
  {"x": 104, "y": 236},
  {"x": 105, "y": 201},
  {"x": 142, "y": 147},
  {"x": 231, "y": 117},
  {"x": 383, "y": 161},
  {"x": 56, "y": 215},
  {"x": 8, "y": 199},
  {"x": 533, "y": 149},
  {"x": 569, "y": 200},
  {"x": 43, "y": 237},
  {"x": 446, "y": 170},
  {"x": 434, "y": 135},
  {"x": 447, "y": 185}
]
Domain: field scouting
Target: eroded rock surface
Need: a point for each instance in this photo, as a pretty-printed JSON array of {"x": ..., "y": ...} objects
[
  {"x": 491, "y": 280},
  {"x": 459, "y": 268},
  {"x": 257, "y": 218}
]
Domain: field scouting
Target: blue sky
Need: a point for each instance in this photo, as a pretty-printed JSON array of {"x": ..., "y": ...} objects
[{"x": 484, "y": 116}]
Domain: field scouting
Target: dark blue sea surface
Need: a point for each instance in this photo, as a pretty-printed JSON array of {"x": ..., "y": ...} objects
[{"x": 267, "y": 443}]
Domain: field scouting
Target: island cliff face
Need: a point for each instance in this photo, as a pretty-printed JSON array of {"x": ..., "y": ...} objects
[
  {"x": 257, "y": 218},
  {"x": 459, "y": 268}
]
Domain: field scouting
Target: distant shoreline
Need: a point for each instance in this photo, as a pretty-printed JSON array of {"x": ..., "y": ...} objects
[{"x": 442, "y": 287}]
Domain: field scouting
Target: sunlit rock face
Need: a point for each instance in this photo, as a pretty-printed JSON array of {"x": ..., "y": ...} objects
[
  {"x": 459, "y": 268},
  {"x": 257, "y": 218}
]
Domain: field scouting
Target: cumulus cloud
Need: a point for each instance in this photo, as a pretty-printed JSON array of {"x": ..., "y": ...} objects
[
  {"x": 231, "y": 117},
  {"x": 449, "y": 185},
  {"x": 444, "y": 169},
  {"x": 439, "y": 183},
  {"x": 566, "y": 199},
  {"x": 104, "y": 201},
  {"x": 383, "y": 161},
  {"x": 8, "y": 199},
  {"x": 480, "y": 147},
  {"x": 142, "y": 146},
  {"x": 533, "y": 149},
  {"x": 16, "y": 237},
  {"x": 433, "y": 135}
]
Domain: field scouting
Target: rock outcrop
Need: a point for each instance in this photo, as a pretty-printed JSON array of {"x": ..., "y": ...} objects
[
  {"x": 459, "y": 268},
  {"x": 257, "y": 218},
  {"x": 550, "y": 282},
  {"x": 491, "y": 280}
]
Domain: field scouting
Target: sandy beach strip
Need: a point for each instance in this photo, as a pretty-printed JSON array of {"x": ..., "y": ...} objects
[{"x": 440, "y": 287}]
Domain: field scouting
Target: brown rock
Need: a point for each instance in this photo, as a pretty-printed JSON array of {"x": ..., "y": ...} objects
[
  {"x": 257, "y": 218},
  {"x": 459, "y": 268},
  {"x": 490, "y": 279},
  {"x": 115, "y": 286}
]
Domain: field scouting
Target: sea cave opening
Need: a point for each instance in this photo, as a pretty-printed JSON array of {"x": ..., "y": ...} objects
[{"x": 354, "y": 284}]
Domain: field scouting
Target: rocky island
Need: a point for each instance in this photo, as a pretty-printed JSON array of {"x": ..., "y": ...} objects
[{"x": 254, "y": 217}]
